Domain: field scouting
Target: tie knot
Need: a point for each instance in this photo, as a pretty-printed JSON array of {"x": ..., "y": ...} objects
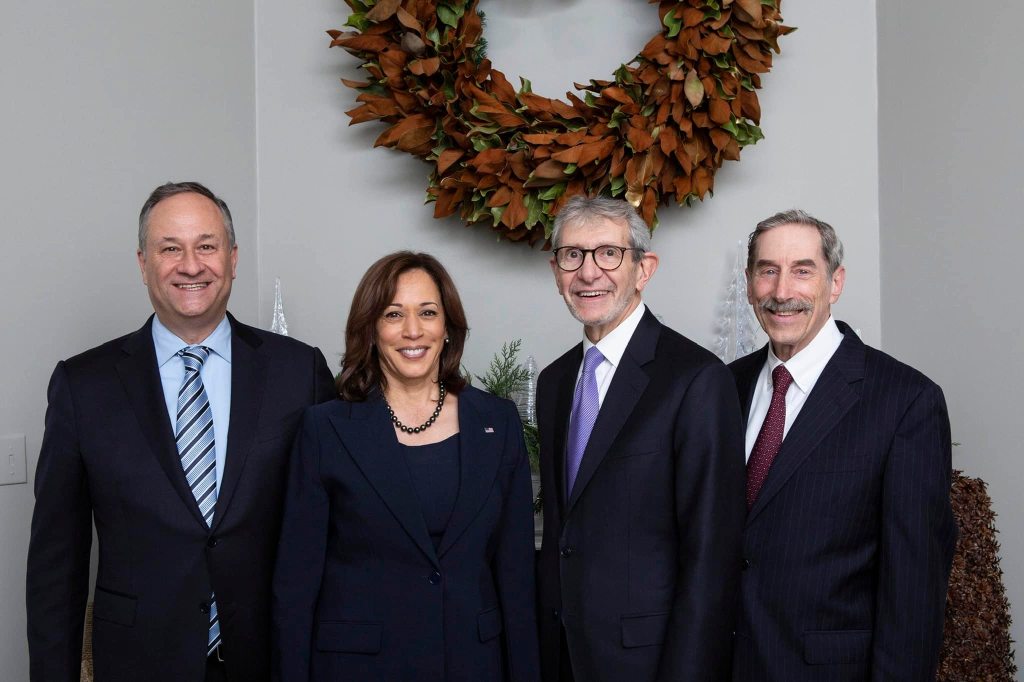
[
  {"x": 592, "y": 359},
  {"x": 781, "y": 379},
  {"x": 194, "y": 357}
]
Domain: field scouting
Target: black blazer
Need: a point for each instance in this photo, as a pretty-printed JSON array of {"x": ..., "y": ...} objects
[
  {"x": 108, "y": 455},
  {"x": 361, "y": 594},
  {"x": 850, "y": 541},
  {"x": 641, "y": 564}
]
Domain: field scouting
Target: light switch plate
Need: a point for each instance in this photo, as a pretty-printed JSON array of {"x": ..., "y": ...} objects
[{"x": 12, "y": 460}]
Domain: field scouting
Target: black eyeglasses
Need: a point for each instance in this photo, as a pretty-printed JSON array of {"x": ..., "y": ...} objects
[{"x": 606, "y": 257}]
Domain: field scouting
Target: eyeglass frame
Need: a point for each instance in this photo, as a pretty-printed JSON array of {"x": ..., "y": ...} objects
[{"x": 593, "y": 256}]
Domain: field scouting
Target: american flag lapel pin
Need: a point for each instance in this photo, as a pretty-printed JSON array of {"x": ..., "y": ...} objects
[{"x": 488, "y": 429}]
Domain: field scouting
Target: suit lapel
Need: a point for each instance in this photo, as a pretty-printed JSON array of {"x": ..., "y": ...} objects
[
  {"x": 368, "y": 437},
  {"x": 248, "y": 380},
  {"x": 479, "y": 455},
  {"x": 627, "y": 386},
  {"x": 563, "y": 408},
  {"x": 141, "y": 380},
  {"x": 746, "y": 379},
  {"x": 835, "y": 392}
]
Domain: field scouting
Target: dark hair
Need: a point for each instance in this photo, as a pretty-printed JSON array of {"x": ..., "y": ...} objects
[
  {"x": 169, "y": 189},
  {"x": 360, "y": 367}
]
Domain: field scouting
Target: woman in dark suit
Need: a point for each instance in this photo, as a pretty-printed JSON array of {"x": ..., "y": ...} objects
[{"x": 406, "y": 548}]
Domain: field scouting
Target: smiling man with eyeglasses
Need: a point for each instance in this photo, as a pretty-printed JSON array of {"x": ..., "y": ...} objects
[{"x": 642, "y": 468}]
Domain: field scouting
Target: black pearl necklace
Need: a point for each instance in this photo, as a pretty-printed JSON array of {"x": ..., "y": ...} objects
[{"x": 425, "y": 425}]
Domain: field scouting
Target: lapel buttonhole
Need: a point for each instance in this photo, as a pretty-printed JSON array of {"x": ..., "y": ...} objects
[{"x": 488, "y": 429}]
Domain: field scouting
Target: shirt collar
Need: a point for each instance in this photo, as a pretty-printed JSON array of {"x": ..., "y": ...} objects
[
  {"x": 806, "y": 366},
  {"x": 614, "y": 343},
  {"x": 167, "y": 343}
]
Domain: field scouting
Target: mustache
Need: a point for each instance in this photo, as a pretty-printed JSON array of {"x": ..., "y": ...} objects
[{"x": 791, "y": 306}]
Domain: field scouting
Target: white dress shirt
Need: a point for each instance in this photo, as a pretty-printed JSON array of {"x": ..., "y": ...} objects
[
  {"x": 216, "y": 375},
  {"x": 805, "y": 367},
  {"x": 612, "y": 346}
]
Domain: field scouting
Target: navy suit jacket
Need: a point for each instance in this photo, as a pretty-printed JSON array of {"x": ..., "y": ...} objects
[
  {"x": 640, "y": 566},
  {"x": 361, "y": 594},
  {"x": 108, "y": 455},
  {"x": 849, "y": 544}
]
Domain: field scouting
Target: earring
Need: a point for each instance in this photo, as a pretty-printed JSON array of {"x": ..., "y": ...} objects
[{"x": 446, "y": 339}]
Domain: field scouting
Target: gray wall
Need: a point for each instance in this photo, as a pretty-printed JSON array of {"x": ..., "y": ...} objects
[
  {"x": 950, "y": 150},
  {"x": 102, "y": 102}
]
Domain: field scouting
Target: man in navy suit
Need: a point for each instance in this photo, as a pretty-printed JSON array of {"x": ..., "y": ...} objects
[
  {"x": 849, "y": 535},
  {"x": 185, "y": 559},
  {"x": 642, "y": 473}
]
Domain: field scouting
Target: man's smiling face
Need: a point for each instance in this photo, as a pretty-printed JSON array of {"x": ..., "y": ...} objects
[
  {"x": 790, "y": 287},
  {"x": 601, "y": 299},
  {"x": 188, "y": 265}
]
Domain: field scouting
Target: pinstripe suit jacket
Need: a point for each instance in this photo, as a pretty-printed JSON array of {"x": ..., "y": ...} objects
[{"x": 848, "y": 546}]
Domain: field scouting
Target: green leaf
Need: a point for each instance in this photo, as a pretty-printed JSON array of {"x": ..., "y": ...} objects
[
  {"x": 552, "y": 192},
  {"x": 570, "y": 169},
  {"x": 433, "y": 36},
  {"x": 496, "y": 216},
  {"x": 673, "y": 23},
  {"x": 525, "y": 85},
  {"x": 623, "y": 75},
  {"x": 618, "y": 185},
  {"x": 449, "y": 15},
  {"x": 358, "y": 21}
]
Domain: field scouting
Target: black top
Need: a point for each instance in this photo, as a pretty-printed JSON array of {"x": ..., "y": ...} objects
[{"x": 434, "y": 469}]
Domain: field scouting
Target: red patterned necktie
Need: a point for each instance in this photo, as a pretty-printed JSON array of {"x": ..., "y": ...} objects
[{"x": 769, "y": 439}]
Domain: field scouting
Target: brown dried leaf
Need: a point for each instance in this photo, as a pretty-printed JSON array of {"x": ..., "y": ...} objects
[
  {"x": 446, "y": 158},
  {"x": 515, "y": 212},
  {"x": 719, "y": 111},
  {"x": 383, "y": 10},
  {"x": 408, "y": 20},
  {"x": 752, "y": 8}
]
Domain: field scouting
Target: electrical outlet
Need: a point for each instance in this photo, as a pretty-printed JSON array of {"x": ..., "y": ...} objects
[{"x": 12, "y": 460}]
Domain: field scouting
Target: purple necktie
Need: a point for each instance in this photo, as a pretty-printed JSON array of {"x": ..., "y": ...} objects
[
  {"x": 769, "y": 439},
  {"x": 585, "y": 405}
]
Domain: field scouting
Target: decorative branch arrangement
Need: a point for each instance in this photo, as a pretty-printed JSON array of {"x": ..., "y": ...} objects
[{"x": 658, "y": 130}]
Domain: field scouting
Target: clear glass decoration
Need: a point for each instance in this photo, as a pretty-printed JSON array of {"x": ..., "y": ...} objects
[{"x": 278, "y": 325}]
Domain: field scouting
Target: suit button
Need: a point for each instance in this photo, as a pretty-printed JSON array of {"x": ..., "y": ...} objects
[
  {"x": 556, "y": 613},
  {"x": 567, "y": 552},
  {"x": 211, "y": 543},
  {"x": 204, "y": 607},
  {"x": 746, "y": 564},
  {"x": 434, "y": 578}
]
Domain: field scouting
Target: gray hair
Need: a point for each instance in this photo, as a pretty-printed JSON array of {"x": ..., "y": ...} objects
[
  {"x": 580, "y": 210},
  {"x": 831, "y": 247},
  {"x": 169, "y": 189}
]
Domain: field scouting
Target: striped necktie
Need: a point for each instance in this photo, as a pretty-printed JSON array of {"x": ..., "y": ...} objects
[{"x": 193, "y": 434}]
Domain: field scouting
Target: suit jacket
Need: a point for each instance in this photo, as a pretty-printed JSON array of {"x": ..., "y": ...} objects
[
  {"x": 361, "y": 594},
  {"x": 108, "y": 455},
  {"x": 849, "y": 544},
  {"x": 641, "y": 564}
]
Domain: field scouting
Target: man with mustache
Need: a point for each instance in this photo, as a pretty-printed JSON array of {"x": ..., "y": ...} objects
[
  {"x": 642, "y": 470},
  {"x": 849, "y": 535}
]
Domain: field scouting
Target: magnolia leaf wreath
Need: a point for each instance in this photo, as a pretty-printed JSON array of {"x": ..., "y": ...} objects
[{"x": 659, "y": 130}]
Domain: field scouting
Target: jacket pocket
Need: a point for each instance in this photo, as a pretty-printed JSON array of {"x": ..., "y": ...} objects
[
  {"x": 489, "y": 624},
  {"x": 114, "y": 607},
  {"x": 644, "y": 630},
  {"x": 356, "y": 637},
  {"x": 831, "y": 647}
]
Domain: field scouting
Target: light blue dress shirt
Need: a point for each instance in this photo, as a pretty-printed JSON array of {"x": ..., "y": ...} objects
[{"x": 216, "y": 375}]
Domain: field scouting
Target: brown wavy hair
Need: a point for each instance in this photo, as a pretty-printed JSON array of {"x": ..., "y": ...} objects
[{"x": 360, "y": 368}]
